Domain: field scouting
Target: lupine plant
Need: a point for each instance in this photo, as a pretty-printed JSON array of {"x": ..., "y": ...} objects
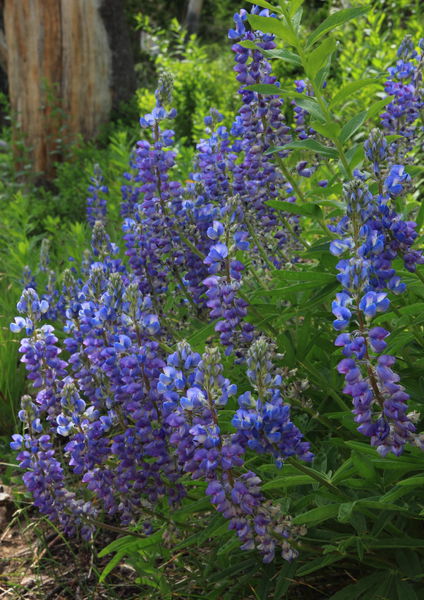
[{"x": 191, "y": 369}]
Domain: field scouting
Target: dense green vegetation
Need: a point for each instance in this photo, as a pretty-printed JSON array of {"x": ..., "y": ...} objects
[{"x": 272, "y": 192}]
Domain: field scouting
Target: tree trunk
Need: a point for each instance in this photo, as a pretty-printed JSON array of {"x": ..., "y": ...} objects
[
  {"x": 192, "y": 19},
  {"x": 60, "y": 70}
]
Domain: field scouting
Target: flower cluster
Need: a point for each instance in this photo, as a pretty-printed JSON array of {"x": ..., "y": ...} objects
[
  {"x": 96, "y": 201},
  {"x": 373, "y": 236},
  {"x": 194, "y": 389},
  {"x": 134, "y": 418},
  {"x": 118, "y": 428},
  {"x": 404, "y": 86}
]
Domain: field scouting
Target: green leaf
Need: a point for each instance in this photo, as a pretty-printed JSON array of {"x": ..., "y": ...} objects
[
  {"x": 318, "y": 563},
  {"x": 416, "y": 480},
  {"x": 352, "y": 126},
  {"x": 231, "y": 571},
  {"x": 345, "y": 511},
  {"x": 317, "y": 515},
  {"x": 266, "y": 89},
  {"x": 306, "y": 210},
  {"x": 405, "y": 590},
  {"x": 274, "y": 26},
  {"x": 198, "y": 339},
  {"x": 288, "y": 481},
  {"x": 409, "y": 563},
  {"x": 345, "y": 470},
  {"x": 309, "y": 144},
  {"x": 364, "y": 466},
  {"x": 328, "y": 130},
  {"x": 355, "y": 590},
  {"x": 355, "y": 155},
  {"x": 284, "y": 579},
  {"x": 303, "y": 276},
  {"x": 296, "y": 18},
  {"x": 200, "y": 505},
  {"x": 318, "y": 58},
  {"x": 335, "y": 20},
  {"x": 265, "y": 4},
  {"x": 248, "y": 44},
  {"x": 420, "y": 217},
  {"x": 129, "y": 542},
  {"x": 349, "y": 88},
  {"x": 406, "y": 542},
  {"x": 311, "y": 106},
  {"x": 217, "y": 527},
  {"x": 378, "y": 505},
  {"x": 282, "y": 54},
  {"x": 114, "y": 562},
  {"x": 413, "y": 170},
  {"x": 294, "y": 6},
  {"x": 375, "y": 108}
]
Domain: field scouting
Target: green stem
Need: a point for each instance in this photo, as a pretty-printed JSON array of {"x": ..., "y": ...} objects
[
  {"x": 318, "y": 95},
  {"x": 259, "y": 246}
]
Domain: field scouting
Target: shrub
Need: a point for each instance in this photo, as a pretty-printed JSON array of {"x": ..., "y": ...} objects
[{"x": 191, "y": 363}]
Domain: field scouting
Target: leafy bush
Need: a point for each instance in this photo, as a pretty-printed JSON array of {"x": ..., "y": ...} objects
[
  {"x": 190, "y": 390},
  {"x": 202, "y": 78}
]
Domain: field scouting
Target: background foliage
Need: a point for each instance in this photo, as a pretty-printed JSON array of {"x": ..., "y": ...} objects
[{"x": 363, "y": 512}]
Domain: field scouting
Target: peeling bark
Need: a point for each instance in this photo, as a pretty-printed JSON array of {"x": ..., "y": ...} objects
[{"x": 60, "y": 71}]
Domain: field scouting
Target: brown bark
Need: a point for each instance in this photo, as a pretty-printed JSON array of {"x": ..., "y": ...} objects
[{"x": 59, "y": 64}]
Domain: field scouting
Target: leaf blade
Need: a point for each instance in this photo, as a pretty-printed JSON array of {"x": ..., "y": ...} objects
[{"x": 335, "y": 20}]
